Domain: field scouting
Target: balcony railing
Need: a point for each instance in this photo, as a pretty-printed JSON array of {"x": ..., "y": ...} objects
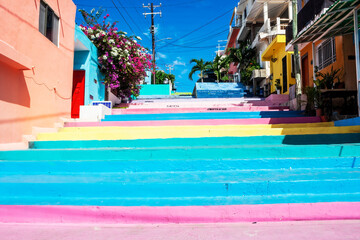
[
  {"x": 307, "y": 14},
  {"x": 289, "y": 33}
]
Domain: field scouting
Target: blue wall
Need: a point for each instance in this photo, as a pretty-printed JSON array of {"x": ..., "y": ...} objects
[
  {"x": 157, "y": 89},
  {"x": 219, "y": 90},
  {"x": 86, "y": 59}
]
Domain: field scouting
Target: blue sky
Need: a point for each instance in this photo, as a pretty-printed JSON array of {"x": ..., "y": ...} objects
[{"x": 194, "y": 26}]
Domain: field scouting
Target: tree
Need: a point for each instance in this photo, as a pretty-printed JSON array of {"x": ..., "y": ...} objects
[
  {"x": 161, "y": 77},
  {"x": 122, "y": 59},
  {"x": 246, "y": 57},
  {"x": 220, "y": 66},
  {"x": 200, "y": 66}
]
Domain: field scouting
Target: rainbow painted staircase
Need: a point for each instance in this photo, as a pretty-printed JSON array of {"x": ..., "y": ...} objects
[{"x": 264, "y": 163}]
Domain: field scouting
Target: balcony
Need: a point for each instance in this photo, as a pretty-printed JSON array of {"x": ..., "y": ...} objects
[
  {"x": 258, "y": 74},
  {"x": 270, "y": 29},
  {"x": 309, "y": 13}
]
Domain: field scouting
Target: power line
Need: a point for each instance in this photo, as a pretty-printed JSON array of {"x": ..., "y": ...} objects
[
  {"x": 213, "y": 20},
  {"x": 129, "y": 15},
  {"x": 123, "y": 17}
]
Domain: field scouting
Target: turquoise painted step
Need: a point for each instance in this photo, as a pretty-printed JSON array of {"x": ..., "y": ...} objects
[
  {"x": 183, "y": 201},
  {"x": 190, "y": 153},
  {"x": 204, "y": 115},
  {"x": 171, "y": 177},
  {"x": 200, "y": 142},
  {"x": 68, "y": 192},
  {"x": 123, "y": 166}
]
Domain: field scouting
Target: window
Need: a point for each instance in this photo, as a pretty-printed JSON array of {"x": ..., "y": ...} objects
[
  {"x": 326, "y": 53},
  {"x": 49, "y": 23}
]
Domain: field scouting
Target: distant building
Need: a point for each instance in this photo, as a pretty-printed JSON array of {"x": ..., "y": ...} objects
[{"x": 258, "y": 23}]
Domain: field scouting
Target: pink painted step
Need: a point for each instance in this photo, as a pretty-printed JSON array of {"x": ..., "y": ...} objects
[
  {"x": 197, "y": 109},
  {"x": 197, "y": 122},
  {"x": 186, "y": 214},
  {"x": 300, "y": 230}
]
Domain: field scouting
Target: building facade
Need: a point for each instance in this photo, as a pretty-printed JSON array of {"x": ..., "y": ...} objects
[
  {"x": 36, "y": 65},
  {"x": 259, "y": 23},
  {"x": 88, "y": 79}
]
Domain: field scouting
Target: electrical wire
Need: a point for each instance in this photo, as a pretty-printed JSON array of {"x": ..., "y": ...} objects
[
  {"x": 123, "y": 17},
  {"x": 197, "y": 29}
]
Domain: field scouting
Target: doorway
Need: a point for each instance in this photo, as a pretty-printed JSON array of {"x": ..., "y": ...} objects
[
  {"x": 78, "y": 93},
  {"x": 305, "y": 71},
  {"x": 284, "y": 74}
]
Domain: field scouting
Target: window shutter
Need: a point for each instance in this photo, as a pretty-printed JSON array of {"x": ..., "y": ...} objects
[
  {"x": 42, "y": 20},
  {"x": 55, "y": 30}
]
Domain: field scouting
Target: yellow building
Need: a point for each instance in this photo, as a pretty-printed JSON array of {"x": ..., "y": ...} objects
[{"x": 280, "y": 64}]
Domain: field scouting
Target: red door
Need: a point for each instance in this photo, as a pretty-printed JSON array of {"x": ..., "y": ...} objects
[
  {"x": 305, "y": 72},
  {"x": 78, "y": 93}
]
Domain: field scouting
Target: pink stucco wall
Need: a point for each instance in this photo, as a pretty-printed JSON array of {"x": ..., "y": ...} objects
[{"x": 41, "y": 93}]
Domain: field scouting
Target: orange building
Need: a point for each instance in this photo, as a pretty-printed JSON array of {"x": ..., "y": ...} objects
[{"x": 36, "y": 64}]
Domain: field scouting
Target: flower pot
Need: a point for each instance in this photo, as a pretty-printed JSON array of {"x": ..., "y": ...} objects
[
  {"x": 318, "y": 112},
  {"x": 278, "y": 91}
]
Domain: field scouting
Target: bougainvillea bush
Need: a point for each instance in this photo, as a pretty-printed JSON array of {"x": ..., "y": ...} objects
[{"x": 123, "y": 60}]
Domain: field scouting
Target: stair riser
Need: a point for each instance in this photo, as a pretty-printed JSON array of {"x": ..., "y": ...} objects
[
  {"x": 189, "y": 116},
  {"x": 195, "y": 122},
  {"x": 186, "y": 132},
  {"x": 104, "y": 189},
  {"x": 187, "y": 214},
  {"x": 110, "y": 194},
  {"x": 245, "y": 152},
  {"x": 121, "y": 166},
  {"x": 199, "y": 142},
  {"x": 196, "y": 110}
]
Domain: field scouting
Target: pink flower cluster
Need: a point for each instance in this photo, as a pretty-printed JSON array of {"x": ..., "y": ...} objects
[{"x": 123, "y": 61}]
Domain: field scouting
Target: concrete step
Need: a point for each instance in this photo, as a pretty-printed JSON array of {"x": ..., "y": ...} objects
[
  {"x": 181, "y": 188},
  {"x": 202, "y": 142},
  {"x": 190, "y": 153},
  {"x": 179, "y": 194},
  {"x": 195, "y": 110},
  {"x": 207, "y": 115},
  {"x": 166, "y": 132},
  {"x": 41, "y": 166},
  {"x": 197, "y": 122},
  {"x": 320, "y": 230},
  {"x": 123, "y": 166}
]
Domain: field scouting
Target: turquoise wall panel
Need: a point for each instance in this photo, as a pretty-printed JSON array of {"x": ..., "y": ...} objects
[
  {"x": 87, "y": 60},
  {"x": 158, "y": 89}
]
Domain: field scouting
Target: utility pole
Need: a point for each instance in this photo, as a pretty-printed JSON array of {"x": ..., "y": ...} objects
[
  {"x": 152, "y": 31},
  {"x": 218, "y": 47},
  {"x": 297, "y": 56},
  {"x": 169, "y": 67}
]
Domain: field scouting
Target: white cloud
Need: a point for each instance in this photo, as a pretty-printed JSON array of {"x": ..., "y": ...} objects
[
  {"x": 184, "y": 71},
  {"x": 160, "y": 56},
  {"x": 177, "y": 62}
]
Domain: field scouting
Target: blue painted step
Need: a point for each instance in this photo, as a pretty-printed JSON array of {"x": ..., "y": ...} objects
[
  {"x": 189, "y": 153},
  {"x": 200, "y": 142},
  {"x": 219, "y": 90},
  {"x": 123, "y": 166},
  {"x": 85, "y": 190},
  {"x": 203, "y": 115}
]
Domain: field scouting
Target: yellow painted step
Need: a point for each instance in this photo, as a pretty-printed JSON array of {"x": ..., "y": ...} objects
[
  {"x": 197, "y": 127},
  {"x": 189, "y": 132}
]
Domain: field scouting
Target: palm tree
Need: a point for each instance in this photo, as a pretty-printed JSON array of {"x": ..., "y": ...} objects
[
  {"x": 235, "y": 55},
  {"x": 200, "y": 66},
  {"x": 220, "y": 65}
]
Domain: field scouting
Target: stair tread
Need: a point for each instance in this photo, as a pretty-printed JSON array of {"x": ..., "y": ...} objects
[{"x": 180, "y": 177}]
